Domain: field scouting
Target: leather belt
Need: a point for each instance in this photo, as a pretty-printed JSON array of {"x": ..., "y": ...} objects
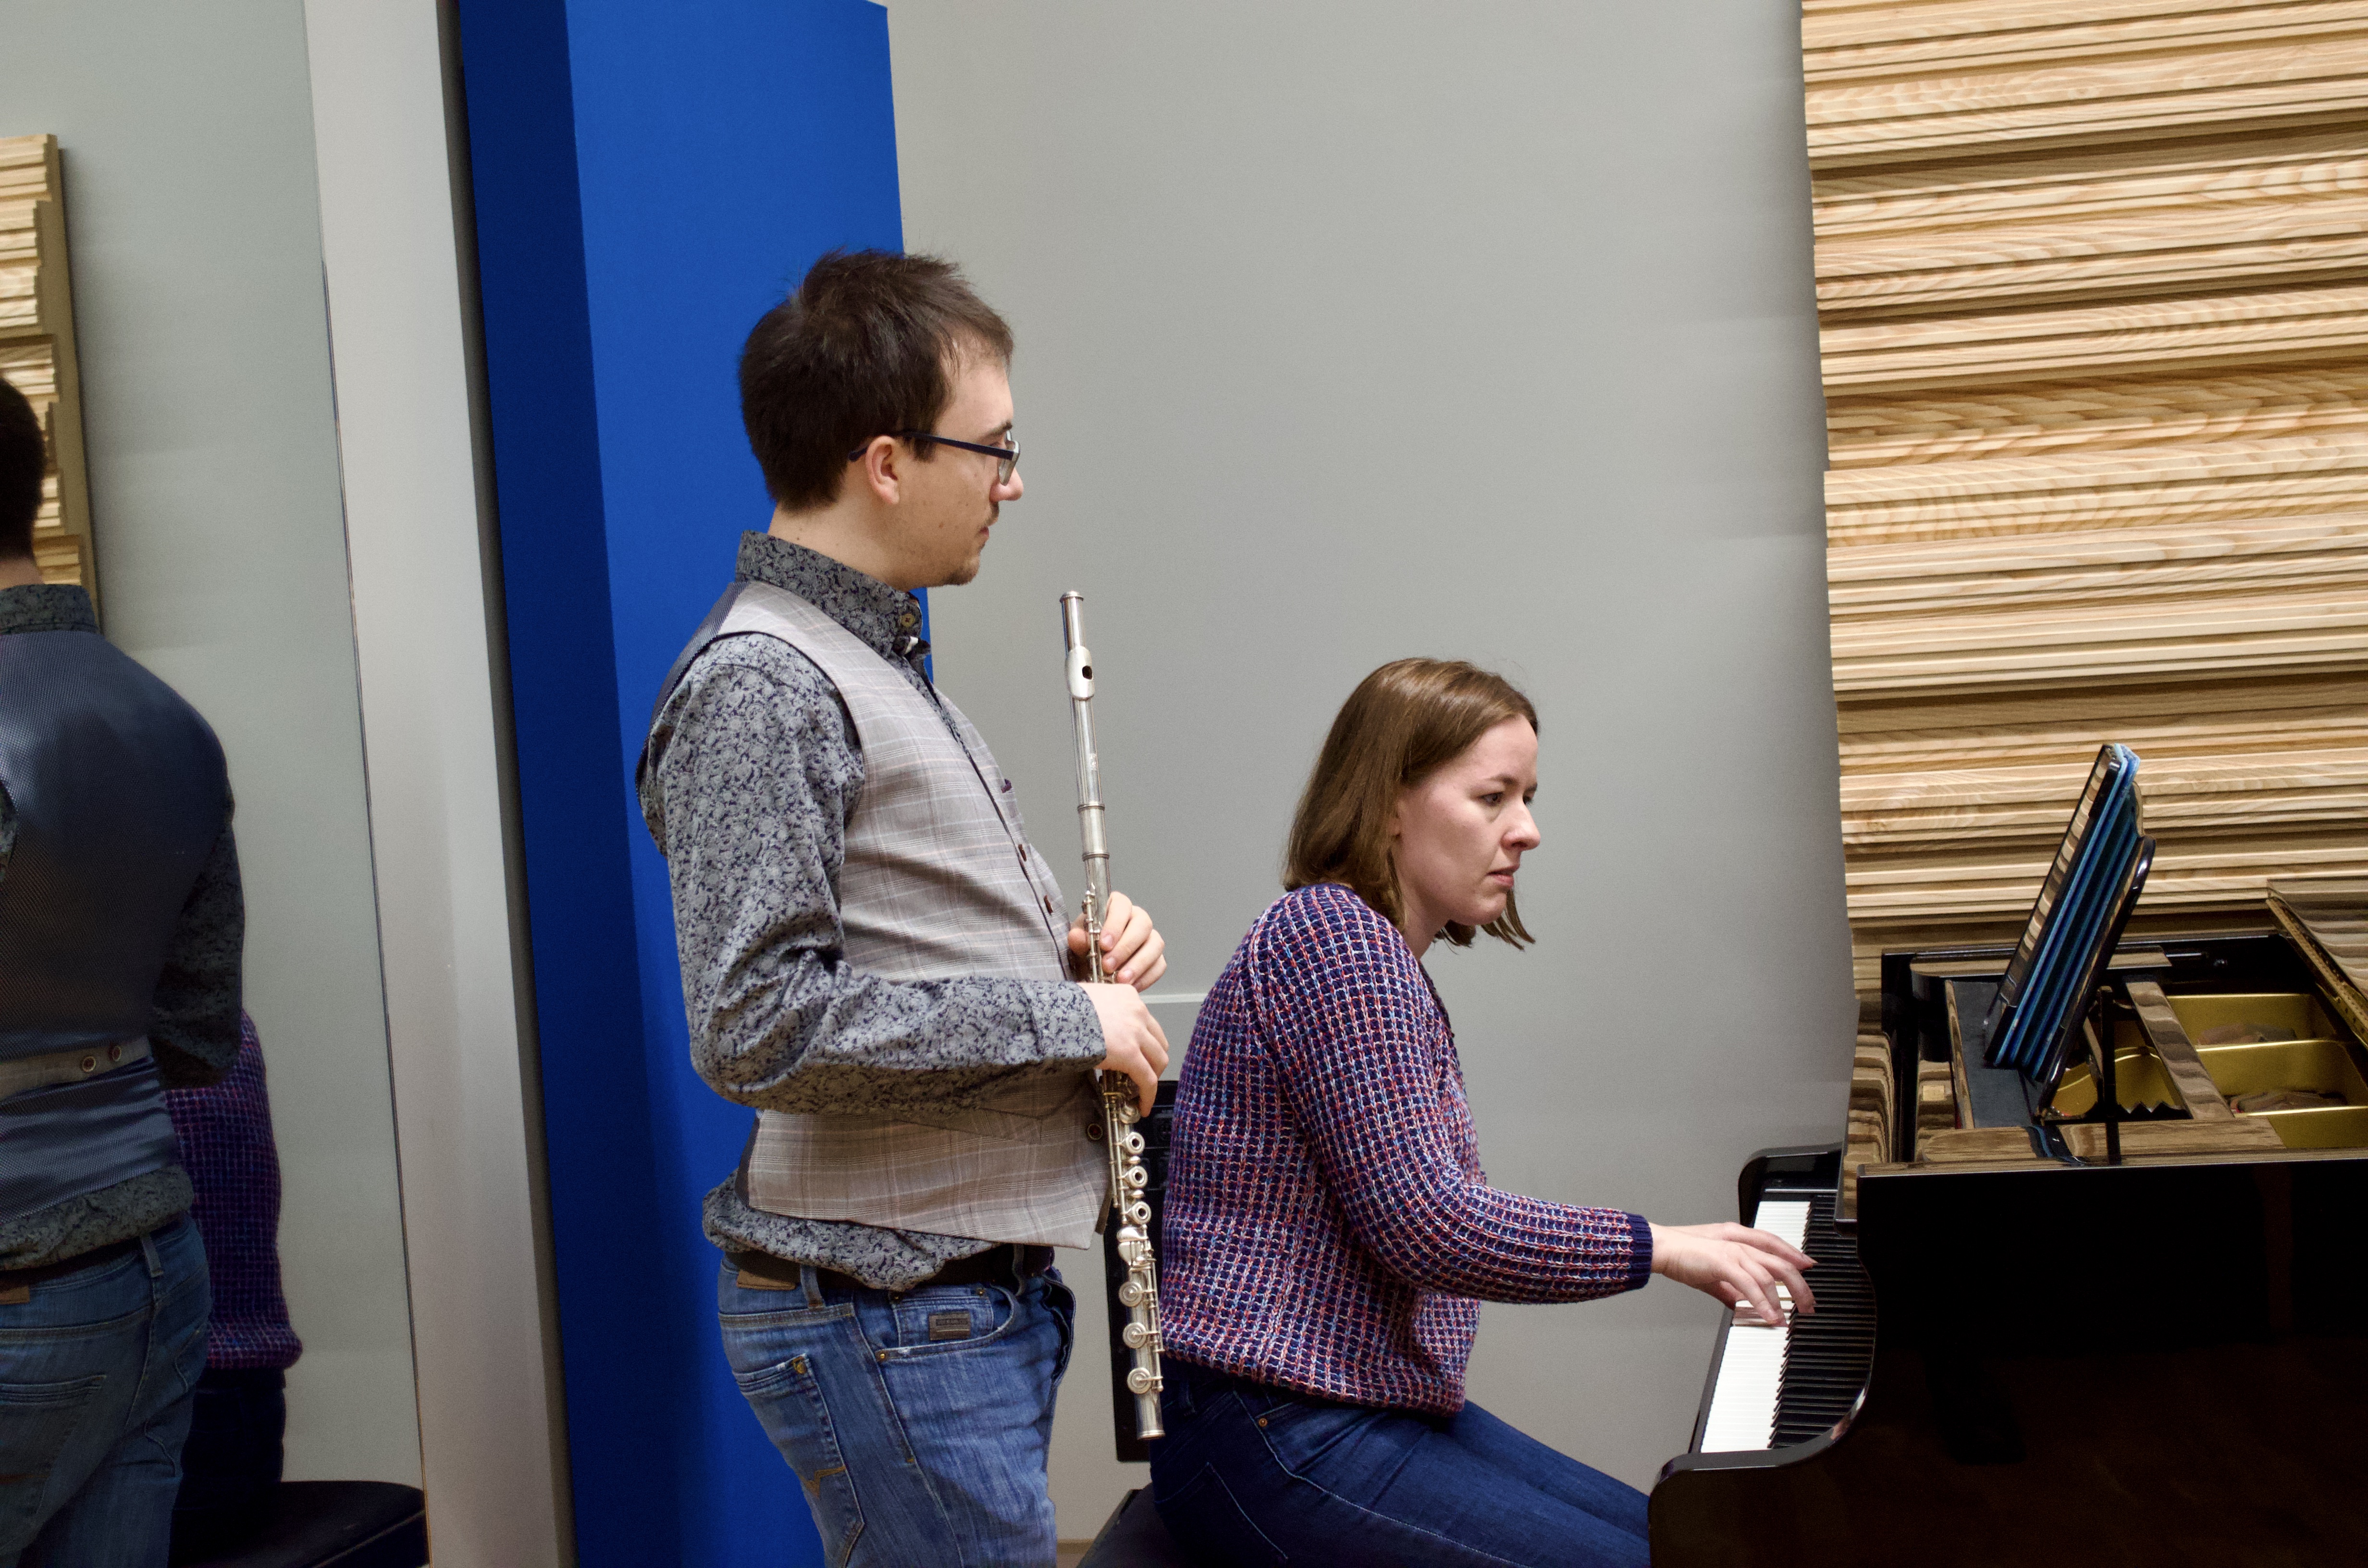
[
  {"x": 997, "y": 1266},
  {"x": 24, "y": 1072},
  {"x": 17, "y": 1284}
]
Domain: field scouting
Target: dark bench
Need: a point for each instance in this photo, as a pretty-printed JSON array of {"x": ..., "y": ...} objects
[
  {"x": 334, "y": 1524},
  {"x": 1135, "y": 1539}
]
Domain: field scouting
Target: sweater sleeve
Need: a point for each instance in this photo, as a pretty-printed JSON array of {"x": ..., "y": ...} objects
[{"x": 1344, "y": 1009}]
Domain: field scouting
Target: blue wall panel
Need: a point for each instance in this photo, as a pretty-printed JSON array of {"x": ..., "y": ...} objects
[{"x": 648, "y": 181}]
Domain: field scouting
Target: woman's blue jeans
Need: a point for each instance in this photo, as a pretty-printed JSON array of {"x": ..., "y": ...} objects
[
  {"x": 918, "y": 1422},
  {"x": 1250, "y": 1474},
  {"x": 97, "y": 1370}
]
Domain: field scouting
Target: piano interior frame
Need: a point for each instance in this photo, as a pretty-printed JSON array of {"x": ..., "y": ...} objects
[{"x": 2182, "y": 1088}]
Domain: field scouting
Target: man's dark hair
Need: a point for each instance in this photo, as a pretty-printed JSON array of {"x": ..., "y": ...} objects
[
  {"x": 864, "y": 347},
  {"x": 22, "y": 459}
]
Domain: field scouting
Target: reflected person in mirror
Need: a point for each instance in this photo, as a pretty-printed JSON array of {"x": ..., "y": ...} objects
[
  {"x": 121, "y": 928},
  {"x": 874, "y": 956},
  {"x": 1329, "y": 1234}
]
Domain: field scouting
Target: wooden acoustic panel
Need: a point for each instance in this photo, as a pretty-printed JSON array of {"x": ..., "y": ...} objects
[
  {"x": 2092, "y": 283},
  {"x": 36, "y": 348}
]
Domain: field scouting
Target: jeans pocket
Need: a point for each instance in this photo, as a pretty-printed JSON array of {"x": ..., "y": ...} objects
[
  {"x": 943, "y": 1317},
  {"x": 37, "y": 1420},
  {"x": 1300, "y": 1432},
  {"x": 789, "y": 1402},
  {"x": 939, "y": 1321},
  {"x": 1207, "y": 1522}
]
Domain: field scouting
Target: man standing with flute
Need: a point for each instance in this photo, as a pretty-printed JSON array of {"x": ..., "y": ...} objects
[{"x": 874, "y": 956}]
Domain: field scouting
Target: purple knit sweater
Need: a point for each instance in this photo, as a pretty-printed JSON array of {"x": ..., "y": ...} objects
[
  {"x": 1327, "y": 1226},
  {"x": 226, "y": 1134}
]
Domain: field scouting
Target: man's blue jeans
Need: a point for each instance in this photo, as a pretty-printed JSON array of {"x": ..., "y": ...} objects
[
  {"x": 96, "y": 1376},
  {"x": 1251, "y": 1475},
  {"x": 918, "y": 1422}
]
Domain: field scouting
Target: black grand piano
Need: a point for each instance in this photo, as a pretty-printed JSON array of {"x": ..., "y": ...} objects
[{"x": 2113, "y": 1312}]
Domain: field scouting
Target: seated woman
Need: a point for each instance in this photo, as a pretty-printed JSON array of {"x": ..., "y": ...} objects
[{"x": 1328, "y": 1234}]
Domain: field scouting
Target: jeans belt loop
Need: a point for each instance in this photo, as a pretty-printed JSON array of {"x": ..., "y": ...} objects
[
  {"x": 148, "y": 1251},
  {"x": 810, "y": 1282}
]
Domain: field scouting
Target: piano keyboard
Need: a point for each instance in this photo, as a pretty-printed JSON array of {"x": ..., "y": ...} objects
[{"x": 1775, "y": 1387}]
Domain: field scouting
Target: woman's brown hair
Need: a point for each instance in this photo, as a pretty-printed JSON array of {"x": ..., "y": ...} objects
[{"x": 1403, "y": 723}]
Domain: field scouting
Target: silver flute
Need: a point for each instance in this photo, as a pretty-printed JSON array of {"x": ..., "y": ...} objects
[{"x": 1121, "y": 1110}]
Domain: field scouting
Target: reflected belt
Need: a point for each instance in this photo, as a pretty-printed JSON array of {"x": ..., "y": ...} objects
[{"x": 68, "y": 1067}]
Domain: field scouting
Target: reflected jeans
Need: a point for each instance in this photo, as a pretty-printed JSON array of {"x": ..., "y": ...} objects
[
  {"x": 918, "y": 1422},
  {"x": 96, "y": 1376},
  {"x": 1251, "y": 1475}
]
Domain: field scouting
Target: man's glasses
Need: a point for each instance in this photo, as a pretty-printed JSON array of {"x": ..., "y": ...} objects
[{"x": 1006, "y": 457}]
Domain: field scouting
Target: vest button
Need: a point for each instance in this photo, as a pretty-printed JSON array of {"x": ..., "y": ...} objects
[{"x": 904, "y": 620}]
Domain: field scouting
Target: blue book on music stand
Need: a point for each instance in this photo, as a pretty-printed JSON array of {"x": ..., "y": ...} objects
[{"x": 2067, "y": 943}]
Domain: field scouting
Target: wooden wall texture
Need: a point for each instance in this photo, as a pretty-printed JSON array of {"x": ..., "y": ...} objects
[
  {"x": 37, "y": 353},
  {"x": 2092, "y": 279}
]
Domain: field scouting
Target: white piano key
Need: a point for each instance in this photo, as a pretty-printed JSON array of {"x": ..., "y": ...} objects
[{"x": 1751, "y": 1372}]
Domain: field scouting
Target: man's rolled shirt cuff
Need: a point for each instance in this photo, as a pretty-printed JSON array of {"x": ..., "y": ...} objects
[{"x": 1067, "y": 1026}]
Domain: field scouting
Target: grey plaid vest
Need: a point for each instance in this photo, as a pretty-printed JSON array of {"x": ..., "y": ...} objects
[{"x": 939, "y": 880}]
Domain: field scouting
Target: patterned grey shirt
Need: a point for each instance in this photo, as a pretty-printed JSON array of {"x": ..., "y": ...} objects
[
  {"x": 751, "y": 771},
  {"x": 195, "y": 1037}
]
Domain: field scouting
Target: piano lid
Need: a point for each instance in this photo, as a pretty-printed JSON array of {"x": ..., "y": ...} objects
[{"x": 2327, "y": 918}]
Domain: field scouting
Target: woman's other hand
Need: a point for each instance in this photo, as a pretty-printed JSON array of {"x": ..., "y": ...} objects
[{"x": 1736, "y": 1264}]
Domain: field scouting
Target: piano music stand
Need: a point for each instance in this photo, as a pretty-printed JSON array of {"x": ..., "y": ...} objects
[
  {"x": 2096, "y": 1023},
  {"x": 2050, "y": 938},
  {"x": 2100, "y": 1031}
]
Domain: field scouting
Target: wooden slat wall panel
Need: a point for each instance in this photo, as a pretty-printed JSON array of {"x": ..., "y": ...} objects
[
  {"x": 37, "y": 353},
  {"x": 2092, "y": 278}
]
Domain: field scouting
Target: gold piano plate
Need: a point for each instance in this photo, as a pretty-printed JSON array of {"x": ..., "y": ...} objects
[
  {"x": 2323, "y": 1127},
  {"x": 2139, "y": 1080},
  {"x": 2298, "y": 1014},
  {"x": 2320, "y": 1066}
]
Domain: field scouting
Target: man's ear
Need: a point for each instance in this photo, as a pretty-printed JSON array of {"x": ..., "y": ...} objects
[{"x": 881, "y": 469}]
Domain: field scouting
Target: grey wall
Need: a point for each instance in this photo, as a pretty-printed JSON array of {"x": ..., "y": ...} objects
[
  {"x": 1354, "y": 331},
  {"x": 194, "y": 227}
]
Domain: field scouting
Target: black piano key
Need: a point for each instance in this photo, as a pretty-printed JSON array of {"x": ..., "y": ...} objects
[{"x": 1829, "y": 1353}]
